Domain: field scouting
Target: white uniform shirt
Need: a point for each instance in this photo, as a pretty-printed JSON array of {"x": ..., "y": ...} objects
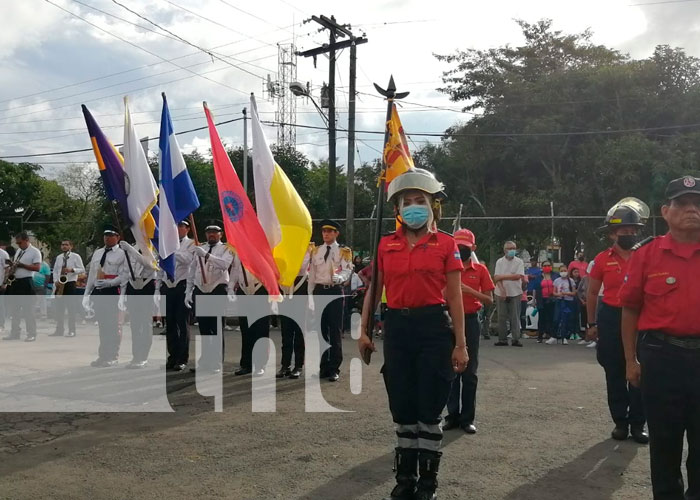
[
  {"x": 4, "y": 257},
  {"x": 144, "y": 267},
  {"x": 183, "y": 259},
  {"x": 216, "y": 266},
  {"x": 115, "y": 264},
  {"x": 30, "y": 256},
  {"x": 73, "y": 261},
  {"x": 509, "y": 266},
  {"x": 321, "y": 270}
]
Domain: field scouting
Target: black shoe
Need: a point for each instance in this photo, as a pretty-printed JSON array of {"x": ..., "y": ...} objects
[
  {"x": 428, "y": 465},
  {"x": 206, "y": 371},
  {"x": 30, "y": 338},
  {"x": 405, "y": 464},
  {"x": 516, "y": 343},
  {"x": 334, "y": 378},
  {"x": 96, "y": 363},
  {"x": 468, "y": 428},
  {"x": 169, "y": 365},
  {"x": 295, "y": 373},
  {"x": 243, "y": 371},
  {"x": 284, "y": 372},
  {"x": 501, "y": 343},
  {"x": 324, "y": 373},
  {"x": 180, "y": 368},
  {"x": 70, "y": 334},
  {"x": 620, "y": 432},
  {"x": 56, "y": 334},
  {"x": 112, "y": 362},
  {"x": 11, "y": 337},
  {"x": 450, "y": 423},
  {"x": 639, "y": 434}
]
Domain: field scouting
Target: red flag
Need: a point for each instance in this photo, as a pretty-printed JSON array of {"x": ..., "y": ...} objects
[{"x": 241, "y": 225}]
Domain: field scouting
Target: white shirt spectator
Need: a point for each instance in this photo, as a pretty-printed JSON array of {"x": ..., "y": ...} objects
[
  {"x": 508, "y": 288},
  {"x": 4, "y": 257}
]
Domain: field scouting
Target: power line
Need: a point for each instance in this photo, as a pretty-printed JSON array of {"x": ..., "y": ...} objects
[
  {"x": 115, "y": 145},
  {"x": 418, "y": 134},
  {"x": 216, "y": 22},
  {"x": 137, "y": 46},
  {"x": 252, "y": 15},
  {"x": 212, "y": 54},
  {"x": 139, "y": 68}
]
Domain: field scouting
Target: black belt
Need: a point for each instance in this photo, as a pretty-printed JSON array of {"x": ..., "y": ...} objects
[
  {"x": 684, "y": 342},
  {"x": 330, "y": 287},
  {"x": 418, "y": 311}
]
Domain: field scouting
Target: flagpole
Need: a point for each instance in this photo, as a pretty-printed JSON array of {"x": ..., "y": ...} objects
[
  {"x": 391, "y": 95},
  {"x": 121, "y": 236},
  {"x": 196, "y": 242}
]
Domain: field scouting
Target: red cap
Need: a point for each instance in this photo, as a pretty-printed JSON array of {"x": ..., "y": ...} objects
[{"x": 465, "y": 237}]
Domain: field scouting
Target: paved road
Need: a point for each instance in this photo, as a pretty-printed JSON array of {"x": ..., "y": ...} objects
[{"x": 542, "y": 419}]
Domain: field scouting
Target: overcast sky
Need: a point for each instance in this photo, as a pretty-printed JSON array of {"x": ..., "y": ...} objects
[{"x": 51, "y": 62}]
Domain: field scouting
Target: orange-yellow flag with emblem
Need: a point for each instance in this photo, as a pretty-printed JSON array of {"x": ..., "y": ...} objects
[{"x": 397, "y": 157}]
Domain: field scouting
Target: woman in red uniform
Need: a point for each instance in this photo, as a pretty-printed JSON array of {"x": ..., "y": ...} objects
[
  {"x": 424, "y": 346},
  {"x": 609, "y": 267}
]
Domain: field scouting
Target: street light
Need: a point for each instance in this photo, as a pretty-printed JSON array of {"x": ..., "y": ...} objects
[{"x": 299, "y": 90}]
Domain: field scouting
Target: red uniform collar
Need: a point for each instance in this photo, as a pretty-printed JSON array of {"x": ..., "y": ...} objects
[
  {"x": 400, "y": 234},
  {"x": 685, "y": 250},
  {"x": 469, "y": 266}
]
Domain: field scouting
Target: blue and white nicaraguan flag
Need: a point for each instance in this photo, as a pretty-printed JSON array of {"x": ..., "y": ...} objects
[{"x": 178, "y": 198}]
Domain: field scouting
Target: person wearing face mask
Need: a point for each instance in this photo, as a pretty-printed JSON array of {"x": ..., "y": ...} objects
[
  {"x": 544, "y": 296},
  {"x": 622, "y": 224},
  {"x": 661, "y": 334},
  {"x": 424, "y": 343},
  {"x": 508, "y": 277},
  {"x": 564, "y": 291},
  {"x": 477, "y": 291}
]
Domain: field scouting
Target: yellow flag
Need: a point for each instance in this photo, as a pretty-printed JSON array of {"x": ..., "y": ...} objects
[
  {"x": 281, "y": 211},
  {"x": 397, "y": 157}
]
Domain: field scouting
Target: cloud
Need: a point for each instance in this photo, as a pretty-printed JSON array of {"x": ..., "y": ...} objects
[{"x": 59, "y": 51}]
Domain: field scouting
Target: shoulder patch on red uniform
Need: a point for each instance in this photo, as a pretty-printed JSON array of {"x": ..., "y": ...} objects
[{"x": 645, "y": 241}]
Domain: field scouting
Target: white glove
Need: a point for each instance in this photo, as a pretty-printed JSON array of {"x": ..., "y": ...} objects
[
  {"x": 100, "y": 284},
  {"x": 122, "y": 302},
  {"x": 312, "y": 307},
  {"x": 156, "y": 298},
  {"x": 126, "y": 247},
  {"x": 338, "y": 279},
  {"x": 232, "y": 296},
  {"x": 87, "y": 305},
  {"x": 188, "y": 299},
  {"x": 200, "y": 251}
]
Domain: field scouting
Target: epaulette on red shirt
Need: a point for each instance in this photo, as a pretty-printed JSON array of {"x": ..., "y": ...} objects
[{"x": 645, "y": 241}]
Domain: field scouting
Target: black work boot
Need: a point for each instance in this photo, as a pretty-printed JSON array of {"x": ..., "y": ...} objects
[
  {"x": 428, "y": 465},
  {"x": 405, "y": 464}
]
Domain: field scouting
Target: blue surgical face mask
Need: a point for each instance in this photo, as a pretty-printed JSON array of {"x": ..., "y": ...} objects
[
  {"x": 415, "y": 216},
  {"x": 511, "y": 253}
]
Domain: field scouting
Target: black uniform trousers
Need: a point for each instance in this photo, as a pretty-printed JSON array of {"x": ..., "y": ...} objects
[
  {"x": 66, "y": 303},
  {"x": 250, "y": 334},
  {"x": 464, "y": 385},
  {"x": 418, "y": 374},
  {"x": 211, "y": 357},
  {"x": 139, "y": 303},
  {"x": 292, "y": 335},
  {"x": 107, "y": 316},
  {"x": 671, "y": 391},
  {"x": 545, "y": 318},
  {"x": 624, "y": 400},
  {"x": 177, "y": 329},
  {"x": 331, "y": 329},
  {"x": 21, "y": 299}
]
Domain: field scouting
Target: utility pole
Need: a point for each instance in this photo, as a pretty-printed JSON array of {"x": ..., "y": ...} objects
[
  {"x": 335, "y": 31},
  {"x": 350, "y": 203},
  {"x": 245, "y": 151}
]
